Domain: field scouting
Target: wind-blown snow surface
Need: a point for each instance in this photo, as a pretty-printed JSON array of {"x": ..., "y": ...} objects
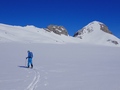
[{"x": 59, "y": 67}]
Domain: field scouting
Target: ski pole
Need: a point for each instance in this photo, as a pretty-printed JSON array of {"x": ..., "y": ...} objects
[{"x": 25, "y": 62}]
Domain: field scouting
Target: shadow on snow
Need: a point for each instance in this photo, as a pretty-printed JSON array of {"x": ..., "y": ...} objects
[{"x": 23, "y": 66}]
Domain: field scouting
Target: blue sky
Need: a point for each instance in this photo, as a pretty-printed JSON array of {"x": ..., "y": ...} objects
[{"x": 72, "y": 14}]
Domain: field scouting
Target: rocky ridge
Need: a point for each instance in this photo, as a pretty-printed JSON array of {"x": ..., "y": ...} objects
[{"x": 57, "y": 29}]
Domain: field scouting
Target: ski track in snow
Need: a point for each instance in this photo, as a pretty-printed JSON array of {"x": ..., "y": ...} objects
[{"x": 32, "y": 85}]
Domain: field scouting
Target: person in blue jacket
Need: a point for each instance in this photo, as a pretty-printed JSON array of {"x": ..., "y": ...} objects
[{"x": 30, "y": 56}]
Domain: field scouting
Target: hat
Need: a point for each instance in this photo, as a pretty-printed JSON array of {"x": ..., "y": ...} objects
[{"x": 28, "y": 51}]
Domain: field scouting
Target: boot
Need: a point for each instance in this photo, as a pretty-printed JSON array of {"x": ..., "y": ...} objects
[{"x": 31, "y": 65}]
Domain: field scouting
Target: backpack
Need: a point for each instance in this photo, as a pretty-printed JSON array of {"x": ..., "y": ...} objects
[{"x": 30, "y": 54}]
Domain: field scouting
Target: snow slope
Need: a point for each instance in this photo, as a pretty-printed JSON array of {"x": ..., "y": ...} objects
[
  {"x": 32, "y": 34},
  {"x": 59, "y": 67}
]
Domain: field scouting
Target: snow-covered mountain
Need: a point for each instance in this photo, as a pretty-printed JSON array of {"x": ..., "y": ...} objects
[
  {"x": 92, "y": 33},
  {"x": 32, "y": 34},
  {"x": 97, "y": 32}
]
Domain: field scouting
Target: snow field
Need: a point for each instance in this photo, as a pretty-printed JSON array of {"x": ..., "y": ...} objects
[{"x": 59, "y": 67}]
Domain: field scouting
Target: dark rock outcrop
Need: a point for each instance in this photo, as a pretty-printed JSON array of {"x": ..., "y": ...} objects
[
  {"x": 57, "y": 29},
  {"x": 113, "y": 41},
  {"x": 104, "y": 28}
]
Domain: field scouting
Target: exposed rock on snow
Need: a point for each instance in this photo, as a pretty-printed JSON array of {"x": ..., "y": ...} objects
[
  {"x": 57, "y": 29},
  {"x": 104, "y": 28},
  {"x": 114, "y": 42}
]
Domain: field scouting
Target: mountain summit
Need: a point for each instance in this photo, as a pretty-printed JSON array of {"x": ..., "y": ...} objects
[
  {"x": 96, "y": 32},
  {"x": 93, "y": 26},
  {"x": 57, "y": 29}
]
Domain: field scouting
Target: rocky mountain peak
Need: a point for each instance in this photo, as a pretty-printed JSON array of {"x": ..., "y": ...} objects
[
  {"x": 103, "y": 27},
  {"x": 93, "y": 26},
  {"x": 57, "y": 29},
  {"x": 96, "y": 32}
]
